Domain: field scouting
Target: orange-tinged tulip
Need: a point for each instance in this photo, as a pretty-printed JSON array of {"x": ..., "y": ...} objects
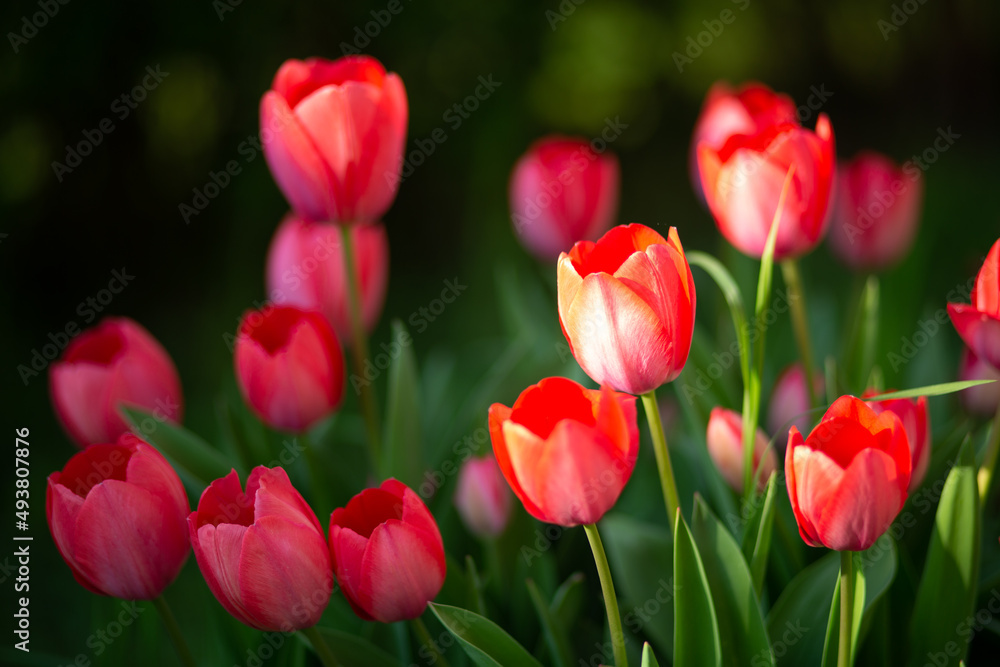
[
  {"x": 917, "y": 422},
  {"x": 979, "y": 323}
]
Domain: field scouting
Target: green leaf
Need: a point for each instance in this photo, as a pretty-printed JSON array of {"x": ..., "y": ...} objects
[
  {"x": 799, "y": 616},
  {"x": 946, "y": 596},
  {"x": 568, "y": 600},
  {"x": 486, "y": 643},
  {"x": 353, "y": 651},
  {"x": 733, "y": 596},
  {"x": 202, "y": 462},
  {"x": 554, "y": 631},
  {"x": 696, "y": 627},
  {"x": 757, "y": 536},
  {"x": 734, "y": 298},
  {"x": 403, "y": 449},
  {"x": 930, "y": 390},
  {"x": 648, "y": 659}
]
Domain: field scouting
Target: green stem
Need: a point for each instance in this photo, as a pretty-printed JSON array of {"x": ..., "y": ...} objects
[
  {"x": 369, "y": 405},
  {"x": 318, "y": 482},
  {"x": 846, "y": 608},
  {"x": 985, "y": 476},
  {"x": 425, "y": 639},
  {"x": 797, "y": 302},
  {"x": 174, "y": 631},
  {"x": 667, "y": 482},
  {"x": 608, "y": 588},
  {"x": 320, "y": 646}
]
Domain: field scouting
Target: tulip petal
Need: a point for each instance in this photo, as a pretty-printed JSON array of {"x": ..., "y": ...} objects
[
  {"x": 986, "y": 293},
  {"x": 149, "y": 470},
  {"x": 79, "y": 393},
  {"x": 402, "y": 571},
  {"x": 817, "y": 478},
  {"x": 218, "y": 551},
  {"x": 62, "y": 507},
  {"x": 980, "y": 331},
  {"x": 516, "y": 459},
  {"x": 276, "y": 497},
  {"x": 382, "y": 153},
  {"x": 347, "y": 551}
]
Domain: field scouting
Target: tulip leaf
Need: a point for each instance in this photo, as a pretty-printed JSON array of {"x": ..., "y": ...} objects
[
  {"x": 402, "y": 447},
  {"x": 552, "y": 628},
  {"x": 202, "y": 462},
  {"x": 648, "y": 659},
  {"x": 734, "y": 298},
  {"x": 568, "y": 600},
  {"x": 946, "y": 595},
  {"x": 757, "y": 535},
  {"x": 831, "y": 644},
  {"x": 929, "y": 390},
  {"x": 353, "y": 651},
  {"x": 799, "y": 616},
  {"x": 485, "y": 642},
  {"x": 696, "y": 627}
]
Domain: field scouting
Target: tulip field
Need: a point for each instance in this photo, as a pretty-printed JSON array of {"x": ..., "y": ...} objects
[{"x": 669, "y": 340}]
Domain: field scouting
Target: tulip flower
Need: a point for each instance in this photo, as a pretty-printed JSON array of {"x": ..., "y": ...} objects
[
  {"x": 333, "y": 134},
  {"x": 876, "y": 213},
  {"x": 289, "y": 366},
  {"x": 725, "y": 446},
  {"x": 561, "y": 192},
  {"x": 981, "y": 400},
  {"x": 306, "y": 268},
  {"x": 482, "y": 497},
  {"x": 789, "y": 402},
  {"x": 626, "y": 306},
  {"x": 848, "y": 480},
  {"x": 116, "y": 513},
  {"x": 916, "y": 420},
  {"x": 979, "y": 323},
  {"x": 114, "y": 363},
  {"x": 566, "y": 451},
  {"x": 387, "y": 553},
  {"x": 262, "y": 552}
]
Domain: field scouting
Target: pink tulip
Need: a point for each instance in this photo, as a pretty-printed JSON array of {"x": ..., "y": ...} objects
[
  {"x": 725, "y": 446},
  {"x": 333, "y": 134},
  {"x": 789, "y": 404},
  {"x": 917, "y": 422},
  {"x": 982, "y": 400},
  {"x": 979, "y": 324},
  {"x": 114, "y": 363},
  {"x": 482, "y": 497}
]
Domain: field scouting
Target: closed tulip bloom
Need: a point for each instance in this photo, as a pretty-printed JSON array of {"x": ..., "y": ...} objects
[
  {"x": 289, "y": 366},
  {"x": 876, "y": 213},
  {"x": 789, "y": 402},
  {"x": 982, "y": 400},
  {"x": 979, "y": 323},
  {"x": 566, "y": 451},
  {"x": 112, "y": 364},
  {"x": 482, "y": 497},
  {"x": 561, "y": 192},
  {"x": 917, "y": 422},
  {"x": 333, "y": 134},
  {"x": 744, "y": 178},
  {"x": 262, "y": 552},
  {"x": 306, "y": 268},
  {"x": 626, "y": 306},
  {"x": 387, "y": 553},
  {"x": 848, "y": 480},
  {"x": 116, "y": 513},
  {"x": 725, "y": 446}
]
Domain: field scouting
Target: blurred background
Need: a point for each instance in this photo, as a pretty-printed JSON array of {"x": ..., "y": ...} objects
[{"x": 192, "y": 74}]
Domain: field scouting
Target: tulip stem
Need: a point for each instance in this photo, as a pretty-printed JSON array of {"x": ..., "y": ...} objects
[
  {"x": 174, "y": 631},
  {"x": 667, "y": 482},
  {"x": 425, "y": 640},
  {"x": 985, "y": 476},
  {"x": 800, "y": 323},
  {"x": 369, "y": 405},
  {"x": 320, "y": 646},
  {"x": 846, "y": 608},
  {"x": 608, "y": 588}
]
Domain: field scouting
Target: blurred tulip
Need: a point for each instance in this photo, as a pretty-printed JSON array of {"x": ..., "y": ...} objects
[
  {"x": 626, "y": 306},
  {"x": 790, "y": 400},
  {"x": 876, "y": 213},
  {"x": 116, "y": 513},
  {"x": 482, "y": 497},
  {"x": 979, "y": 324},
  {"x": 116, "y": 362},
  {"x": 725, "y": 446},
  {"x": 306, "y": 268},
  {"x": 289, "y": 366},
  {"x": 916, "y": 420},
  {"x": 333, "y": 134},
  {"x": 984, "y": 399},
  {"x": 263, "y": 552},
  {"x": 387, "y": 553},
  {"x": 566, "y": 451},
  {"x": 848, "y": 480},
  {"x": 562, "y": 192}
]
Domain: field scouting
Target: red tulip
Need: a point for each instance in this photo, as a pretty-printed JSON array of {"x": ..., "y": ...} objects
[
  {"x": 789, "y": 402},
  {"x": 567, "y": 452},
  {"x": 333, "y": 134},
  {"x": 876, "y": 213},
  {"x": 984, "y": 399},
  {"x": 387, "y": 553},
  {"x": 725, "y": 446},
  {"x": 116, "y": 513},
  {"x": 482, "y": 497},
  {"x": 626, "y": 306},
  {"x": 115, "y": 363},
  {"x": 562, "y": 192},
  {"x": 979, "y": 324},
  {"x": 744, "y": 178},
  {"x": 289, "y": 366},
  {"x": 848, "y": 480},
  {"x": 749, "y": 109},
  {"x": 263, "y": 552},
  {"x": 306, "y": 268},
  {"x": 917, "y": 422}
]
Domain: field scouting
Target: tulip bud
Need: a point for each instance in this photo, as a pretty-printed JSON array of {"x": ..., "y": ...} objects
[
  {"x": 306, "y": 268},
  {"x": 725, "y": 446},
  {"x": 562, "y": 192},
  {"x": 116, "y": 513},
  {"x": 979, "y": 324},
  {"x": 566, "y": 451},
  {"x": 848, "y": 480},
  {"x": 333, "y": 134},
  {"x": 483, "y": 497},
  {"x": 289, "y": 366},
  {"x": 626, "y": 306},
  {"x": 916, "y": 420},
  {"x": 117, "y": 362},
  {"x": 983, "y": 399},
  {"x": 387, "y": 553},
  {"x": 789, "y": 402},
  {"x": 262, "y": 553}
]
